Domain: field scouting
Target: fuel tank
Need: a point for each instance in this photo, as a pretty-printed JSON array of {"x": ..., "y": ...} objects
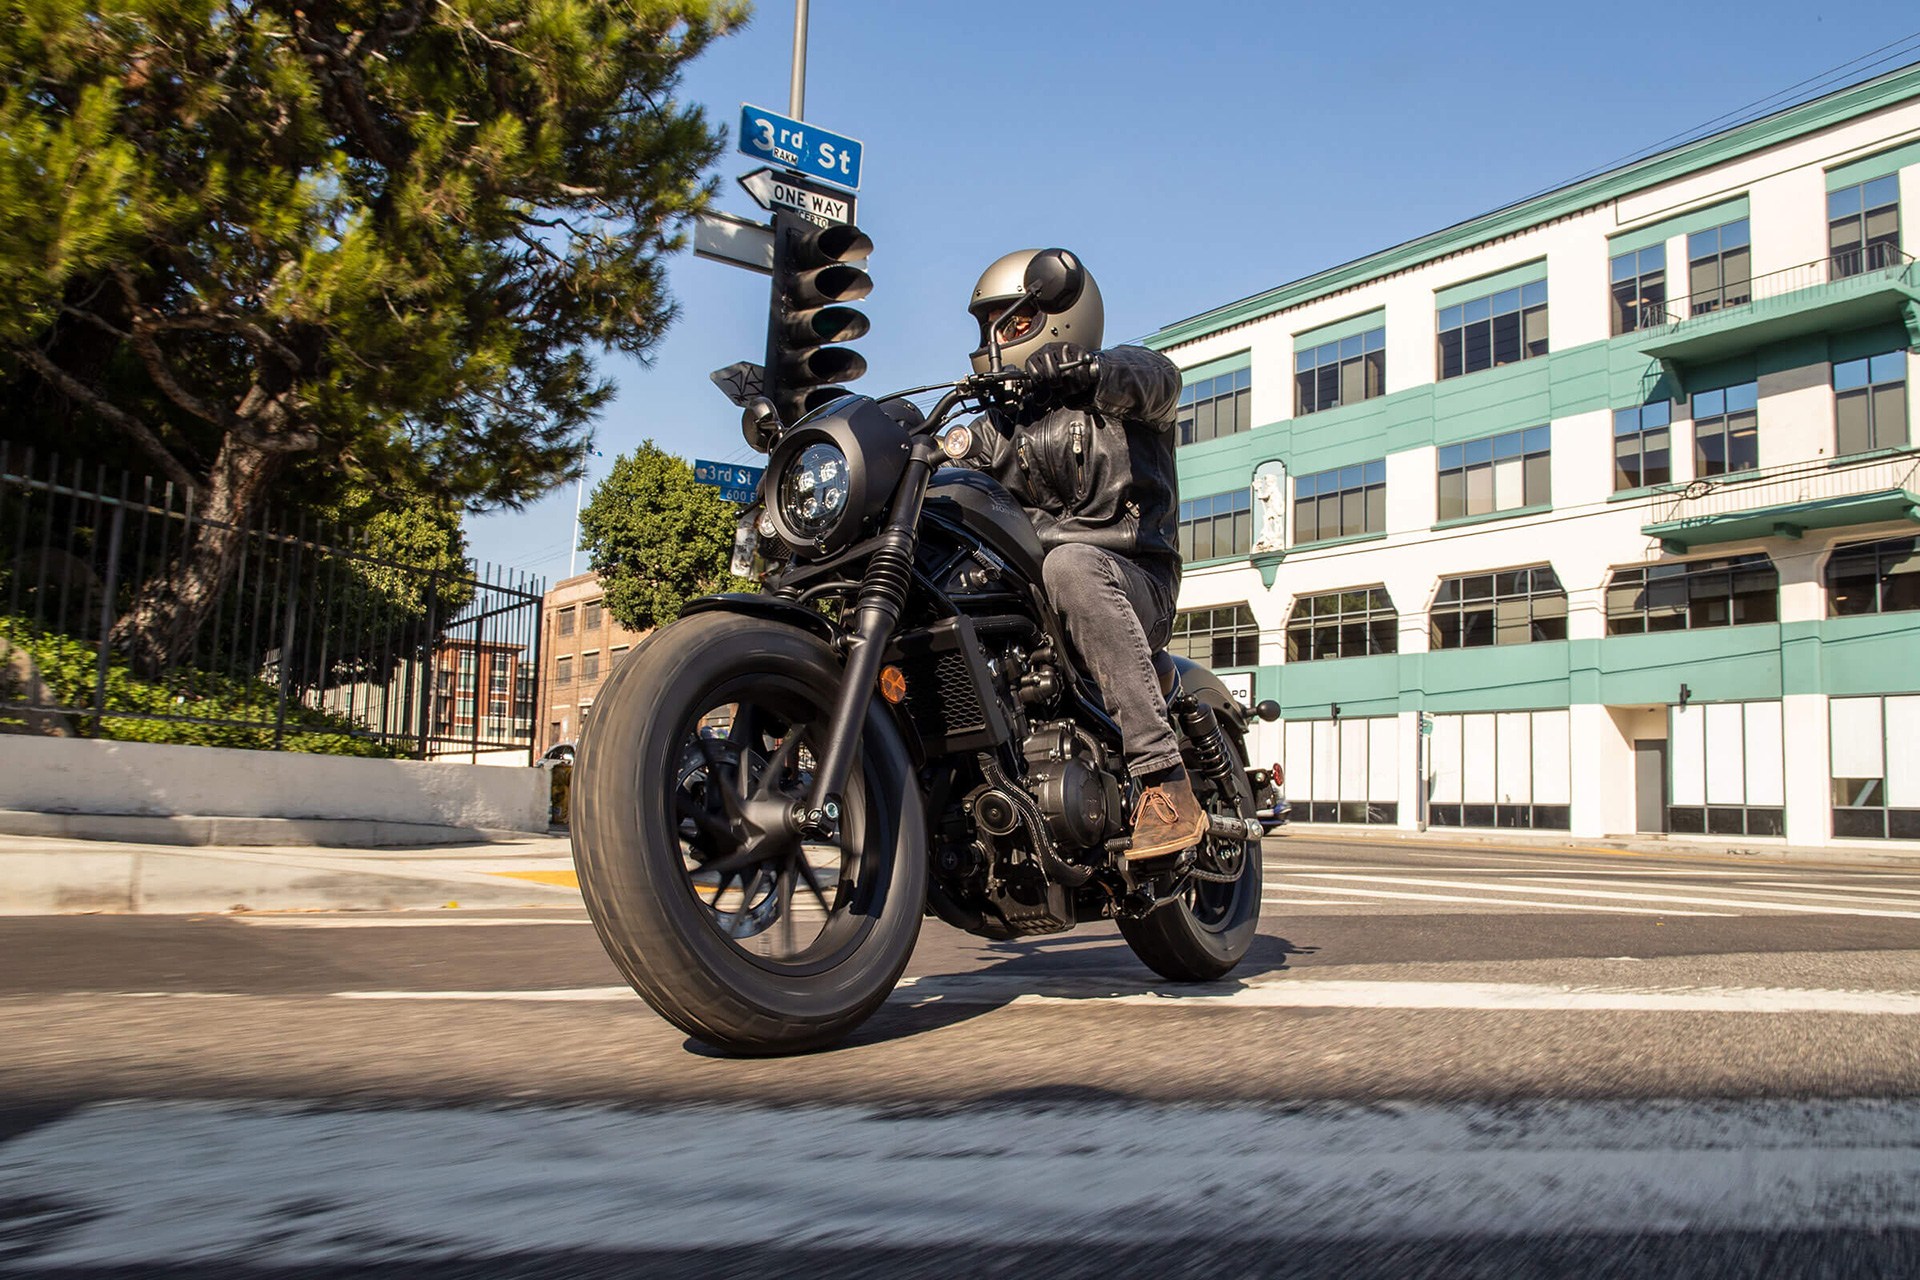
[{"x": 991, "y": 512}]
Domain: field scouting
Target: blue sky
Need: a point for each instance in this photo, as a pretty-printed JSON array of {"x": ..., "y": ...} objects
[{"x": 1191, "y": 153}]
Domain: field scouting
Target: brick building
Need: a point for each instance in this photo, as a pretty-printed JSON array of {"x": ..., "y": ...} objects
[{"x": 580, "y": 649}]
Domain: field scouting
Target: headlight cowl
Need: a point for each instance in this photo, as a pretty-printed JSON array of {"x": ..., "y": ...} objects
[{"x": 832, "y": 473}]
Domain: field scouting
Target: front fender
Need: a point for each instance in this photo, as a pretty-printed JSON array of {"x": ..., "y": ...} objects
[{"x": 772, "y": 608}]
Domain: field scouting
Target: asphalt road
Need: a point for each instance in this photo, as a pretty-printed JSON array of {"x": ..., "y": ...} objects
[{"x": 1456, "y": 1061}]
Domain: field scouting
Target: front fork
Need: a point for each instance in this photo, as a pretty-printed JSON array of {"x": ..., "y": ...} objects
[{"x": 883, "y": 594}]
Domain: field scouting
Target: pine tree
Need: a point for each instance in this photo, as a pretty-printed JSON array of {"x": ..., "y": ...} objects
[{"x": 387, "y": 239}]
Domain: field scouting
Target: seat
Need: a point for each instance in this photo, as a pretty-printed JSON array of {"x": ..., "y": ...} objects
[{"x": 1168, "y": 672}]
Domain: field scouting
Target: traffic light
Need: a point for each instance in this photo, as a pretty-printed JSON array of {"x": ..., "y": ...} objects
[{"x": 813, "y": 275}]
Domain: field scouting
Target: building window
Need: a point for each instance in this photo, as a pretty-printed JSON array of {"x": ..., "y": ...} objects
[
  {"x": 1342, "y": 624},
  {"x": 1876, "y": 771},
  {"x": 1215, "y": 407},
  {"x": 1727, "y": 761},
  {"x": 1501, "y": 328},
  {"x": 1723, "y": 592},
  {"x": 563, "y": 622},
  {"x": 1643, "y": 446},
  {"x": 615, "y": 654},
  {"x": 1863, "y": 226},
  {"x": 1217, "y": 526},
  {"x": 1639, "y": 289},
  {"x": 1345, "y": 770},
  {"x": 563, "y": 670},
  {"x": 1514, "y": 606},
  {"x": 1344, "y": 372},
  {"x": 1874, "y": 577},
  {"x": 1501, "y": 769},
  {"x": 1719, "y": 268},
  {"x": 1340, "y": 503},
  {"x": 1870, "y": 402},
  {"x": 1726, "y": 430},
  {"x": 591, "y": 610},
  {"x": 1223, "y": 637},
  {"x": 590, "y": 664},
  {"x": 1499, "y": 473}
]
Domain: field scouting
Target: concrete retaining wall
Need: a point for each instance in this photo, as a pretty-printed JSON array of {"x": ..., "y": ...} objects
[{"x": 153, "y": 781}]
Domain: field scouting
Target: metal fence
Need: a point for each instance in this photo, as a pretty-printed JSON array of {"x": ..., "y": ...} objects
[{"x": 316, "y": 642}]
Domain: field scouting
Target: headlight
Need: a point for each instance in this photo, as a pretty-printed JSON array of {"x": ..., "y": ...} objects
[{"x": 814, "y": 489}]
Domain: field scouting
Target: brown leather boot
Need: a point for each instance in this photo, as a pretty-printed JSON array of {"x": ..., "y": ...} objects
[{"x": 1168, "y": 820}]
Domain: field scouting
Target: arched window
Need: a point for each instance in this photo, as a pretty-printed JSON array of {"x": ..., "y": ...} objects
[
  {"x": 1511, "y": 606},
  {"x": 1723, "y": 592}
]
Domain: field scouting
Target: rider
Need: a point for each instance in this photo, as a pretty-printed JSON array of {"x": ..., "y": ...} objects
[{"x": 1090, "y": 457}]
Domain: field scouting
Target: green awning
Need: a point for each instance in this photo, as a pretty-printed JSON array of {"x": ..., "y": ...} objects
[{"x": 1786, "y": 520}]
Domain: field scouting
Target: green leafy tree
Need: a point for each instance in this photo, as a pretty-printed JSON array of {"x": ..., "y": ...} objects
[
  {"x": 382, "y": 239},
  {"x": 657, "y": 537}
]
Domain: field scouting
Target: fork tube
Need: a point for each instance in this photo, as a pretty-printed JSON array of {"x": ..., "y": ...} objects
[{"x": 883, "y": 593}]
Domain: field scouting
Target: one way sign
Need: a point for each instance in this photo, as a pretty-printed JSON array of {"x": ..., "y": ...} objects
[{"x": 819, "y": 204}]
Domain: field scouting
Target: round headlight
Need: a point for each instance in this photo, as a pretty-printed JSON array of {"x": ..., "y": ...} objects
[{"x": 814, "y": 490}]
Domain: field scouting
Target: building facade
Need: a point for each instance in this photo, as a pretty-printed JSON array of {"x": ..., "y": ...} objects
[
  {"x": 581, "y": 647},
  {"x": 1595, "y": 514}
]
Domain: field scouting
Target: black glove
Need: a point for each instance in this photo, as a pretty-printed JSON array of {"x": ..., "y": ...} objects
[{"x": 1062, "y": 371}]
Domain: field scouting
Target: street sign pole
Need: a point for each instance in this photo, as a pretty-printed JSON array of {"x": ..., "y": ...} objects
[{"x": 797, "y": 87}]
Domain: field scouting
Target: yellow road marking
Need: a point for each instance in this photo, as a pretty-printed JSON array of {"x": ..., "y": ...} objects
[{"x": 568, "y": 879}]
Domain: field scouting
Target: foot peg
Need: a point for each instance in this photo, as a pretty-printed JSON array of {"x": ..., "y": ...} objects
[{"x": 1239, "y": 830}]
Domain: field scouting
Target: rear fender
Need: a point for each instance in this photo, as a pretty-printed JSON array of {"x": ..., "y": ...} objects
[{"x": 1201, "y": 683}]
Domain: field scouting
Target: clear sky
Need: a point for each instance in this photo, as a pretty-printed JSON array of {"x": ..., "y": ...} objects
[{"x": 1191, "y": 153}]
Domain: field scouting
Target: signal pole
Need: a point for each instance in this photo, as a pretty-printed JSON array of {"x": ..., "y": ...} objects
[{"x": 797, "y": 87}]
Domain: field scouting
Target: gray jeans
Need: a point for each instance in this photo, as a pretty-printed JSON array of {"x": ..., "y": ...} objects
[{"x": 1117, "y": 614}]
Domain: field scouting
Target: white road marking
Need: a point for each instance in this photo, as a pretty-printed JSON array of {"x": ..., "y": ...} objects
[
  {"x": 1800, "y": 908},
  {"x": 202, "y": 1184},
  {"x": 1285, "y": 992},
  {"x": 425, "y": 922},
  {"x": 1483, "y": 901}
]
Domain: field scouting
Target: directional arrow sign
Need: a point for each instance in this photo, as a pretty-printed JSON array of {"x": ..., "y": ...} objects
[
  {"x": 795, "y": 144},
  {"x": 816, "y": 202}
]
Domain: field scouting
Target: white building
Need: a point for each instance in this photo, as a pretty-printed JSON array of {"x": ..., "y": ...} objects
[{"x": 1616, "y": 489}]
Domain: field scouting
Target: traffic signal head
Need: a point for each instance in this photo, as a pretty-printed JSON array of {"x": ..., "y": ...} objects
[{"x": 814, "y": 276}]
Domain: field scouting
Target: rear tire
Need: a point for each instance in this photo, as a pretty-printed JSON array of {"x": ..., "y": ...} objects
[
  {"x": 639, "y": 850},
  {"x": 1206, "y": 932}
]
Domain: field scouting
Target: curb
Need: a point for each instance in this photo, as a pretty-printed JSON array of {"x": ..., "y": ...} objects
[
  {"x": 1889, "y": 853},
  {"x": 214, "y": 829}
]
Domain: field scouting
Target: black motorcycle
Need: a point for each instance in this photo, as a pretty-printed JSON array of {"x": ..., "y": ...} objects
[{"x": 776, "y": 787}]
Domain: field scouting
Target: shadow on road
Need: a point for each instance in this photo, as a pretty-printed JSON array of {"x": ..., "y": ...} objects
[{"x": 1060, "y": 966}]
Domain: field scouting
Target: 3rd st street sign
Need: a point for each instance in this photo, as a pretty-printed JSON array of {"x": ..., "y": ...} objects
[{"x": 794, "y": 144}]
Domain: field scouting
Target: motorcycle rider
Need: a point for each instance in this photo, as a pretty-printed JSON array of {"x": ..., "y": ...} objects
[{"x": 1088, "y": 452}]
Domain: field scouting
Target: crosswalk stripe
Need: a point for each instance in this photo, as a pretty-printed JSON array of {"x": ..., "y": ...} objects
[
  {"x": 427, "y": 922},
  {"x": 1489, "y": 902},
  {"x": 1691, "y": 899}
]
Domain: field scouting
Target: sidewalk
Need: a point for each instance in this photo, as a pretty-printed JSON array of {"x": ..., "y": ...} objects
[
  {"x": 41, "y": 876},
  {"x": 1879, "y": 853}
]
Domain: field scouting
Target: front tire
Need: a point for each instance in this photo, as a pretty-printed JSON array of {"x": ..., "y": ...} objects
[
  {"x": 1203, "y": 934},
  {"x": 711, "y": 716}
]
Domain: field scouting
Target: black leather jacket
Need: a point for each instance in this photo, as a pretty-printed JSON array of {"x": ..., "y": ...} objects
[{"x": 1100, "y": 472}]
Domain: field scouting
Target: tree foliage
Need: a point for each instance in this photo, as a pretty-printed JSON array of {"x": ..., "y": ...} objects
[
  {"x": 657, "y": 537},
  {"x": 382, "y": 240}
]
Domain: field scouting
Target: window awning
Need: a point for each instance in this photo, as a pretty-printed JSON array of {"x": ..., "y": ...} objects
[{"x": 1785, "y": 520}]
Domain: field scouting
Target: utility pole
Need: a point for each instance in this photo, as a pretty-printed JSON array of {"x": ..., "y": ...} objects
[{"x": 797, "y": 89}]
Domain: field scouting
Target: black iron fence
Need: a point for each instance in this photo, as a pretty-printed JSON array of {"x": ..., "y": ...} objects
[{"x": 322, "y": 638}]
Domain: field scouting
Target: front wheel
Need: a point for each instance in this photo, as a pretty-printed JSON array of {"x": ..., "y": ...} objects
[
  {"x": 1204, "y": 933},
  {"x": 743, "y": 938}
]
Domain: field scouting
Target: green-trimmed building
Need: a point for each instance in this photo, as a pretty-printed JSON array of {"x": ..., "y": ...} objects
[{"x": 1594, "y": 514}]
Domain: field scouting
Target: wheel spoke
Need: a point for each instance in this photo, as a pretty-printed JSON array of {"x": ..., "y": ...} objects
[
  {"x": 716, "y": 775},
  {"x": 807, "y": 873},
  {"x": 751, "y": 853},
  {"x": 717, "y": 834},
  {"x": 777, "y": 766},
  {"x": 783, "y": 895}
]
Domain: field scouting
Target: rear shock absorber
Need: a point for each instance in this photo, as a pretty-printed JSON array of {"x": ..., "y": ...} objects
[{"x": 1202, "y": 728}]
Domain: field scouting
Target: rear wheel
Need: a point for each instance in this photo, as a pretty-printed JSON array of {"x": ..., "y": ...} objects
[
  {"x": 1205, "y": 932},
  {"x": 740, "y": 935}
]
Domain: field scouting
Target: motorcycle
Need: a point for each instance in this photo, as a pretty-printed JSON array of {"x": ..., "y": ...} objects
[{"x": 777, "y": 787}]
